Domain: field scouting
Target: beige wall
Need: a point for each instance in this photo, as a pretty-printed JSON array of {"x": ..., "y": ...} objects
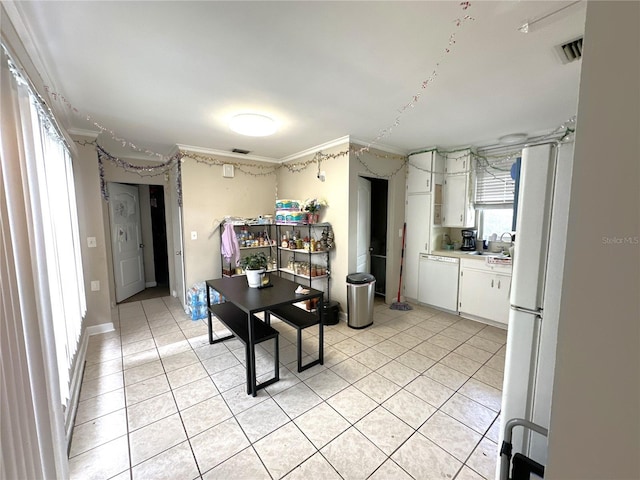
[
  {"x": 207, "y": 198},
  {"x": 378, "y": 164},
  {"x": 90, "y": 223},
  {"x": 595, "y": 418},
  {"x": 335, "y": 189}
]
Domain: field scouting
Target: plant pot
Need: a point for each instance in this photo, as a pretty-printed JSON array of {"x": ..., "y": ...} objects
[
  {"x": 254, "y": 277},
  {"x": 312, "y": 218}
]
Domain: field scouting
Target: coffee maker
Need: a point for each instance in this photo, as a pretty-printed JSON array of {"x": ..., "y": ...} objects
[{"x": 468, "y": 240}]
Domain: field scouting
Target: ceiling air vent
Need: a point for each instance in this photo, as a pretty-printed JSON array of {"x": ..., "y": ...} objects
[
  {"x": 570, "y": 51},
  {"x": 240, "y": 150}
]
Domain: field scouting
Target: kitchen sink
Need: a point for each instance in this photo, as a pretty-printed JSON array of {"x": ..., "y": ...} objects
[{"x": 489, "y": 254}]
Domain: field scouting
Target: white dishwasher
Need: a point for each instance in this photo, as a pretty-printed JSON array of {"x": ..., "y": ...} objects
[{"x": 438, "y": 281}]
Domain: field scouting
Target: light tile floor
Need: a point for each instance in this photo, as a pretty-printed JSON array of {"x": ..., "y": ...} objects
[{"x": 416, "y": 395}]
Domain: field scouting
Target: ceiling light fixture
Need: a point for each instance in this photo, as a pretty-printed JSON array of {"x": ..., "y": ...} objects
[
  {"x": 253, "y": 125},
  {"x": 512, "y": 138}
]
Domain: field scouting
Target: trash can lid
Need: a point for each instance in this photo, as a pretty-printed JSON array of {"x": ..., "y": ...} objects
[{"x": 359, "y": 278}]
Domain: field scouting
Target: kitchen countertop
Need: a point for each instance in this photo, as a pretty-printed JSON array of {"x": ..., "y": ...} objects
[
  {"x": 459, "y": 254},
  {"x": 455, "y": 254}
]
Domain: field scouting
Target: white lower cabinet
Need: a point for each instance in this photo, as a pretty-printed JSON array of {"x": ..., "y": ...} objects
[{"x": 484, "y": 290}]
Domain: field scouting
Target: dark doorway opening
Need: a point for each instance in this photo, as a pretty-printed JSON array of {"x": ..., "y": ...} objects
[
  {"x": 159, "y": 233},
  {"x": 378, "y": 244}
]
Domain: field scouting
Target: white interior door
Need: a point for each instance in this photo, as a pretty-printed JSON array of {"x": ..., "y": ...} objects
[
  {"x": 126, "y": 240},
  {"x": 364, "y": 225}
]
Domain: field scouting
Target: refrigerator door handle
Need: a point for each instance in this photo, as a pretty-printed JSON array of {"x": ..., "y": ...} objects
[{"x": 537, "y": 312}]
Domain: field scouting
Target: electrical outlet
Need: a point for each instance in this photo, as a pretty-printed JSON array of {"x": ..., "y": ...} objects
[
  {"x": 95, "y": 285},
  {"x": 91, "y": 242},
  {"x": 194, "y": 235}
]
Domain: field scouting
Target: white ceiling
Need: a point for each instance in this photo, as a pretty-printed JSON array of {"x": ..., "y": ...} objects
[{"x": 167, "y": 73}]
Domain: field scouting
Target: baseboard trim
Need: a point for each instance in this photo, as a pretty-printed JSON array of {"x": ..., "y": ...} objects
[
  {"x": 98, "y": 329},
  {"x": 74, "y": 388},
  {"x": 76, "y": 376}
]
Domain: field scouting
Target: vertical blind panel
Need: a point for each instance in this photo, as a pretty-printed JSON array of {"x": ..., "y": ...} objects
[{"x": 494, "y": 185}]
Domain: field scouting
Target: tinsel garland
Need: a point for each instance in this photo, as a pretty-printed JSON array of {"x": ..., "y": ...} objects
[
  {"x": 415, "y": 98},
  {"x": 500, "y": 162},
  {"x": 141, "y": 170}
]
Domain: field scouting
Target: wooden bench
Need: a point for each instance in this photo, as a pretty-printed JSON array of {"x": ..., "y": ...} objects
[
  {"x": 236, "y": 322},
  {"x": 300, "y": 319}
]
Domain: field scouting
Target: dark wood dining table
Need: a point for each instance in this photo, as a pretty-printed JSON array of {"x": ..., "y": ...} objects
[{"x": 255, "y": 300}]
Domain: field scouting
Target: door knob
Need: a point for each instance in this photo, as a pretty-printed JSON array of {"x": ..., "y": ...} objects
[
  {"x": 179, "y": 252},
  {"x": 141, "y": 245}
]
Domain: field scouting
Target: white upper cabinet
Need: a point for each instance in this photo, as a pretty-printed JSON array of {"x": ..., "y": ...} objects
[
  {"x": 419, "y": 177},
  {"x": 457, "y": 162},
  {"x": 458, "y": 188}
]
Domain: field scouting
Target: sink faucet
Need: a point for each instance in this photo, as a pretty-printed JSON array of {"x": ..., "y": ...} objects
[{"x": 502, "y": 236}]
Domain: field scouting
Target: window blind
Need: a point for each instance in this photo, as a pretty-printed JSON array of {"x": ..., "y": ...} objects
[
  {"x": 494, "y": 185},
  {"x": 51, "y": 188}
]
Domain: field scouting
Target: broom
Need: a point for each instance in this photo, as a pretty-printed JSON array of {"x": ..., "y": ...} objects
[{"x": 401, "y": 305}]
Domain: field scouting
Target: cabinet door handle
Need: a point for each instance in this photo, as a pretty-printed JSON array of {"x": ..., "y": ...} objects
[
  {"x": 498, "y": 283},
  {"x": 460, "y": 217},
  {"x": 491, "y": 283}
]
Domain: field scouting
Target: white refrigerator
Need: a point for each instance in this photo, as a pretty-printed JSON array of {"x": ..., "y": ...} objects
[{"x": 538, "y": 263}]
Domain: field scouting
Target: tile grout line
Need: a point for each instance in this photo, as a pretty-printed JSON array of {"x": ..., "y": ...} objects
[{"x": 200, "y": 361}]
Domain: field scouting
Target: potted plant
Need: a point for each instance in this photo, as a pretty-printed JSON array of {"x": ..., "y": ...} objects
[
  {"x": 254, "y": 266},
  {"x": 313, "y": 206}
]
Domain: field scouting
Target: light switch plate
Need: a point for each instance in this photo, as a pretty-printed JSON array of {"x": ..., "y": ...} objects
[
  {"x": 95, "y": 285},
  {"x": 91, "y": 242}
]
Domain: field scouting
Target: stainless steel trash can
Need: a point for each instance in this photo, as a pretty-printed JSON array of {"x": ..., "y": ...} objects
[{"x": 360, "y": 292}]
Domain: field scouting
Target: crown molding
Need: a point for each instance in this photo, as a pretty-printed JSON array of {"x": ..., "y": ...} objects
[
  {"x": 347, "y": 139},
  {"x": 174, "y": 151},
  {"x": 381, "y": 147},
  {"x": 317, "y": 148},
  {"x": 81, "y": 132},
  {"x": 223, "y": 153}
]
